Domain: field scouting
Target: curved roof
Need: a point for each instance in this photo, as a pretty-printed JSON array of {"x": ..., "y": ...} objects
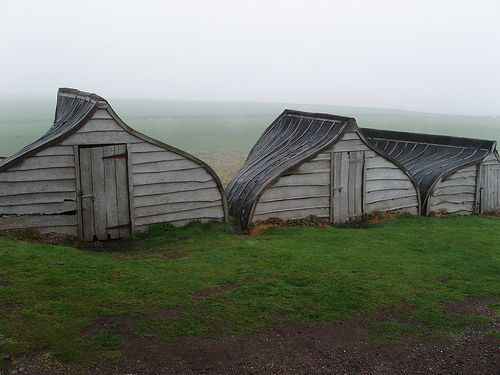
[
  {"x": 292, "y": 138},
  {"x": 72, "y": 108},
  {"x": 429, "y": 157}
]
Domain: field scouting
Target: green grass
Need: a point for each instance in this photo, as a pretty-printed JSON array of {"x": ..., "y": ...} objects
[{"x": 51, "y": 297}]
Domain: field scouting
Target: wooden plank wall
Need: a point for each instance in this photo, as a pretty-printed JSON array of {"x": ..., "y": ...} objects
[
  {"x": 306, "y": 189},
  {"x": 34, "y": 193},
  {"x": 167, "y": 187},
  {"x": 455, "y": 194},
  {"x": 387, "y": 187},
  {"x": 101, "y": 129}
]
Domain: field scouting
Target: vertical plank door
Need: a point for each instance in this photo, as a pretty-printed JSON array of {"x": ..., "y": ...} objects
[
  {"x": 347, "y": 186},
  {"x": 490, "y": 188},
  {"x": 86, "y": 194},
  {"x": 104, "y": 192}
]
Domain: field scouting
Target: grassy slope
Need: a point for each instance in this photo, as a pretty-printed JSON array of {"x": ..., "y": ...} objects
[
  {"x": 50, "y": 295},
  {"x": 222, "y": 133}
]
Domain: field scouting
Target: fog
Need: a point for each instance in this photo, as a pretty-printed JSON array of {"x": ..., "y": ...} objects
[{"x": 425, "y": 55}]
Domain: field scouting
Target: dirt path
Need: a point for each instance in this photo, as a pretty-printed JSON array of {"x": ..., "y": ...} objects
[{"x": 343, "y": 347}]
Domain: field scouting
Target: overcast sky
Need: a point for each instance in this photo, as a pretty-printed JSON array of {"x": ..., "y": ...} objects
[{"x": 429, "y": 55}]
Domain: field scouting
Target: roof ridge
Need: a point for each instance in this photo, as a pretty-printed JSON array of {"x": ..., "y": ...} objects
[
  {"x": 436, "y": 139},
  {"x": 73, "y": 107},
  {"x": 71, "y": 92},
  {"x": 327, "y": 116},
  {"x": 429, "y": 157}
]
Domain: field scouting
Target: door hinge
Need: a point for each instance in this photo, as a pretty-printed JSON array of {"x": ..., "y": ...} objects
[
  {"x": 357, "y": 161},
  {"x": 91, "y": 196},
  {"x": 338, "y": 189}
]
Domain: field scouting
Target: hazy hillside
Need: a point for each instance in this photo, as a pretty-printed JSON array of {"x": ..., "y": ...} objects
[{"x": 223, "y": 132}]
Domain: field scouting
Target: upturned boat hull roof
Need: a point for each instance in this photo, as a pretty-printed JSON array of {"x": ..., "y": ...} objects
[
  {"x": 429, "y": 157},
  {"x": 291, "y": 139}
]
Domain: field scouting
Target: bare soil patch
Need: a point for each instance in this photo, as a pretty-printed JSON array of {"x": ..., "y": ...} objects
[
  {"x": 122, "y": 325},
  {"x": 491, "y": 213},
  {"x": 477, "y": 306},
  {"x": 342, "y": 347},
  {"x": 108, "y": 246},
  {"x": 177, "y": 254},
  {"x": 42, "y": 363},
  {"x": 210, "y": 292},
  {"x": 259, "y": 228},
  {"x": 34, "y": 236},
  {"x": 168, "y": 313},
  {"x": 310, "y": 221}
]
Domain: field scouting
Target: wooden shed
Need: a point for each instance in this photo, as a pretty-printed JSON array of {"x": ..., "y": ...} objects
[
  {"x": 454, "y": 175},
  {"x": 94, "y": 176},
  {"x": 317, "y": 164}
]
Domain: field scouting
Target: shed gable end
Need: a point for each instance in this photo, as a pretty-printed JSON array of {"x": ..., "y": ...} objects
[{"x": 42, "y": 187}]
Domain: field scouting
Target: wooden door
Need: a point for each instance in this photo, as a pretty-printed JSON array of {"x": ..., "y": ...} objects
[
  {"x": 347, "y": 186},
  {"x": 104, "y": 192},
  {"x": 490, "y": 187}
]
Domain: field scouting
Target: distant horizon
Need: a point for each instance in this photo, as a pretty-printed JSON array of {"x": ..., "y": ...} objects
[
  {"x": 284, "y": 103},
  {"x": 206, "y": 125}
]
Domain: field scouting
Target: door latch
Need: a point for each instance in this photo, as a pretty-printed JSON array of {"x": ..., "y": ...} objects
[{"x": 339, "y": 189}]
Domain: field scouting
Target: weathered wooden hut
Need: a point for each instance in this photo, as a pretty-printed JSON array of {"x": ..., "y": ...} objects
[
  {"x": 317, "y": 164},
  {"x": 94, "y": 176},
  {"x": 454, "y": 175}
]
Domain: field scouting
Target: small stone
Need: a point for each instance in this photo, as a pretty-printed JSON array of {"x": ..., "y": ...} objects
[{"x": 20, "y": 369}]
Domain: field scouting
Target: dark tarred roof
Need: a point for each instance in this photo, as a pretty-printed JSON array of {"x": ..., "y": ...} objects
[
  {"x": 292, "y": 138},
  {"x": 73, "y": 106},
  {"x": 428, "y": 157}
]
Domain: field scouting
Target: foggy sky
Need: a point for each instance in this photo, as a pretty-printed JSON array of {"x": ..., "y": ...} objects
[{"x": 428, "y": 55}]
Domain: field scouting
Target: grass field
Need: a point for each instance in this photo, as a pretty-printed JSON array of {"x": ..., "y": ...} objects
[
  {"x": 222, "y": 133},
  {"x": 204, "y": 280}
]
